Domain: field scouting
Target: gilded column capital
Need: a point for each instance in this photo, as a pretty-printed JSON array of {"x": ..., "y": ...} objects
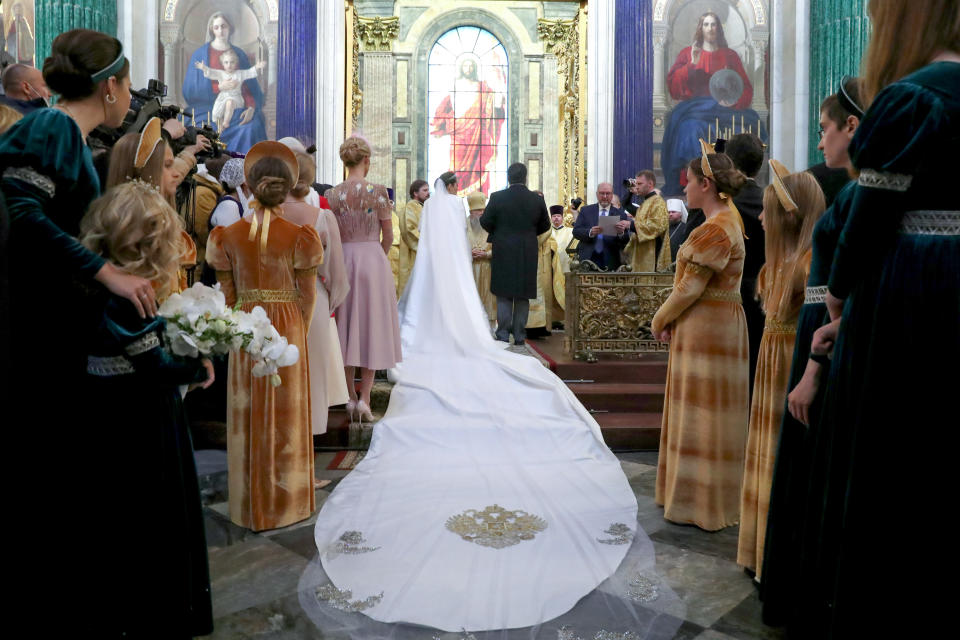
[
  {"x": 377, "y": 33},
  {"x": 559, "y": 35}
]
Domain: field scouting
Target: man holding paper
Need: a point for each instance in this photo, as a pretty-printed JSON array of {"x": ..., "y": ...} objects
[{"x": 602, "y": 230}]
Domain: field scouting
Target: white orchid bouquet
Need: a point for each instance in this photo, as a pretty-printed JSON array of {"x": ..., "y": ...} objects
[{"x": 199, "y": 323}]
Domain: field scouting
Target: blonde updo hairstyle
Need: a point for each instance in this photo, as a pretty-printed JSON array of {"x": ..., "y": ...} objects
[
  {"x": 308, "y": 174},
  {"x": 122, "y": 164},
  {"x": 353, "y": 150},
  {"x": 726, "y": 177},
  {"x": 134, "y": 227},
  {"x": 270, "y": 180},
  {"x": 8, "y": 117},
  {"x": 787, "y": 239}
]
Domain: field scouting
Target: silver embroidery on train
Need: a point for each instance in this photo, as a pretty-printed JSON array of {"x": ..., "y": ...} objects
[
  {"x": 622, "y": 534},
  {"x": 643, "y": 588},
  {"x": 33, "y": 177},
  {"x": 815, "y": 295},
  {"x": 464, "y": 635},
  {"x": 351, "y": 542},
  {"x": 340, "y": 599},
  {"x": 567, "y": 633},
  {"x": 142, "y": 345},
  {"x": 931, "y": 223},
  {"x": 883, "y": 180}
]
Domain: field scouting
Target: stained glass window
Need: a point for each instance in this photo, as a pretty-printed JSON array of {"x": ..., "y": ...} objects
[{"x": 467, "y": 109}]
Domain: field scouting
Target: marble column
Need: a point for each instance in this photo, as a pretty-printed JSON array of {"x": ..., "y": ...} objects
[
  {"x": 600, "y": 69},
  {"x": 137, "y": 29},
  {"x": 659, "y": 42},
  {"x": 839, "y": 33},
  {"x": 633, "y": 89},
  {"x": 330, "y": 90},
  {"x": 377, "y": 114},
  {"x": 551, "y": 126},
  {"x": 296, "y": 66},
  {"x": 789, "y": 95},
  {"x": 54, "y": 17}
]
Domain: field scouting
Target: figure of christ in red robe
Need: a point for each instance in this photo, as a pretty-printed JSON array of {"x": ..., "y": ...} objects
[
  {"x": 473, "y": 120},
  {"x": 248, "y": 99},
  {"x": 686, "y": 80}
]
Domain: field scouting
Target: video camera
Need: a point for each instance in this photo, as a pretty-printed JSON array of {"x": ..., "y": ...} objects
[{"x": 147, "y": 103}]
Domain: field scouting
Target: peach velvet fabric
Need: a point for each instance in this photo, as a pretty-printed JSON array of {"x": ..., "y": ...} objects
[
  {"x": 706, "y": 406},
  {"x": 269, "y": 443}
]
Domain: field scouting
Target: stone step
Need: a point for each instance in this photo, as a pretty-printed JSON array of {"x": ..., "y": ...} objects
[
  {"x": 620, "y": 397},
  {"x": 623, "y": 431},
  {"x": 651, "y": 371}
]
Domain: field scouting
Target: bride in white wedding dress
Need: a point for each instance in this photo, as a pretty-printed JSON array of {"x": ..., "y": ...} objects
[{"x": 488, "y": 501}]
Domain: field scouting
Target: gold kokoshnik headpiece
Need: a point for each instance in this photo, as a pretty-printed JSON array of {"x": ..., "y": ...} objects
[
  {"x": 778, "y": 172},
  {"x": 149, "y": 139},
  {"x": 706, "y": 149},
  {"x": 259, "y": 151}
]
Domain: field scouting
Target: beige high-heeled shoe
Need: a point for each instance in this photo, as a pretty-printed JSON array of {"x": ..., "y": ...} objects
[
  {"x": 363, "y": 409},
  {"x": 351, "y": 409}
]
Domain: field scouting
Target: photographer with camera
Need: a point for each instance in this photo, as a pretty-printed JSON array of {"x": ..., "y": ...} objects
[
  {"x": 186, "y": 156},
  {"x": 649, "y": 246}
]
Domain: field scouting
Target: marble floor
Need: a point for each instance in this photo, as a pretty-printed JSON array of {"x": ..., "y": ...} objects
[{"x": 254, "y": 576}]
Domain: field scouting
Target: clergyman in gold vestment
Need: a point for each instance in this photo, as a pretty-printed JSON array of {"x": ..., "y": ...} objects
[
  {"x": 651, "y": 222},
  {"x": 410, "y": 230},
  {"x": 480, "y": 252}
]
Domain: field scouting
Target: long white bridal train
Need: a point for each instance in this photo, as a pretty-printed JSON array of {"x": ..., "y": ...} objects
[{"x": 488, "y": 501}]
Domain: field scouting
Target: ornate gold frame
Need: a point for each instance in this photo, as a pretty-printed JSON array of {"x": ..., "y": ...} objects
[
  {"x": 567, "y": 39},
  {"x": 611, "y": 312}
]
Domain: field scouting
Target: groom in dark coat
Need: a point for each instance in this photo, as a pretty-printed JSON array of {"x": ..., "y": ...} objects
[{"x": 514, "y": 218}]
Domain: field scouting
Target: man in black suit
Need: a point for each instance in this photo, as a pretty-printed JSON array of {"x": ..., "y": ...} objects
[
  {"x": 514, "y": 218},
  {"x": 746, "y": 151},
  {"x": 603, "y": 250}
]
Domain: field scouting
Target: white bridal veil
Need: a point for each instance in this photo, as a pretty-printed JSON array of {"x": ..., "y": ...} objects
[{"x": 488, "y": 502}]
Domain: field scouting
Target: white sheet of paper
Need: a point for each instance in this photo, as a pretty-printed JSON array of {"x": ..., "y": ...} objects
[{"x": 608, "y": 225}]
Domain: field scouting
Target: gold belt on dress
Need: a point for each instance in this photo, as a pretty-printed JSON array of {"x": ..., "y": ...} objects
[
  {"x": 931, "y": 223},
  {"x": 772, "y": 325},
  {"x": 721, "y": 295},
  {"x": 268, "y": 295}
]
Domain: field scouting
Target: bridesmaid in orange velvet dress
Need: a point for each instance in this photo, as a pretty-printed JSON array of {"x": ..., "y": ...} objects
[
  {"x": 706, "y": 408},
  {"x": 264, "y": 260}
]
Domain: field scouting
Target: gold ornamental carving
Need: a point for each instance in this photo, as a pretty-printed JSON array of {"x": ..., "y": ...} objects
[
  {"x": 378, "y": 33},
  {"x": 354, "y": 92},
  {"x": 612, "y": 312},
  {"x": 495, "y": 526},
  {"x": 566, "y": 40}
]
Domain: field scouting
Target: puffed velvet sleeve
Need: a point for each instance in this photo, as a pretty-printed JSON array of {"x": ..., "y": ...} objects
[
  {"x": 901, "y": 136},
  {"x": 44, "y": 158},
  {"x": 307, "y": 255},
  {"x": 140, "y": 340},
  {"x": 218, "y": 258},
  {"x": 705, "y": 252}
]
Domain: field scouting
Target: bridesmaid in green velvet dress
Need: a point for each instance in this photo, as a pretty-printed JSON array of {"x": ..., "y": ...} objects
[
  {"x": 840, "y": 116},
  {"x": 889, "y": 417},
  {"x": 48, "y": 180},
  {"x": 132, "y": 385}
]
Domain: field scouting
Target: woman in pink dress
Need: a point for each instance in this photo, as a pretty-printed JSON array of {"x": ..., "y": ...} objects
[{"x": 367, "y": 318}]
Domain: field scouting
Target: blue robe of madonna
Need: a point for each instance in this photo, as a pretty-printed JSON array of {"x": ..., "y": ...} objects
[
  {"x": 686, "y": 124},
  {"x": 199, "y": 94}
]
